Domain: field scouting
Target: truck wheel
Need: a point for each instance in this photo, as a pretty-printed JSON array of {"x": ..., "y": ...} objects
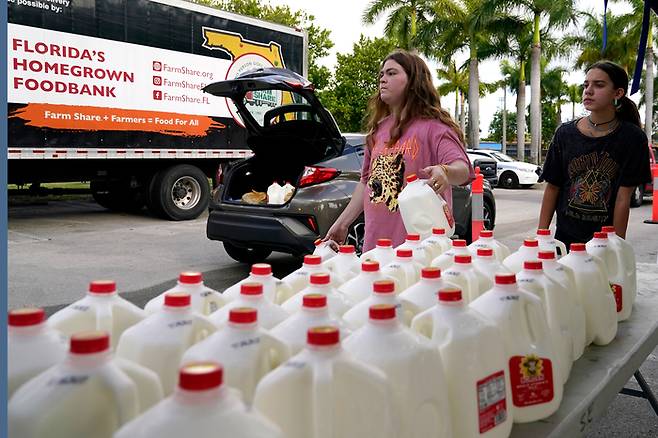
[
  {"x": 179, "y": 193},
  {"x": 246, "y": 255},
  {"x": 118, "y": 196}
]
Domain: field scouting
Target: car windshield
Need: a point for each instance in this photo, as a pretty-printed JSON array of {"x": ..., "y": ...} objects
[{"x": 502, "y": 157}]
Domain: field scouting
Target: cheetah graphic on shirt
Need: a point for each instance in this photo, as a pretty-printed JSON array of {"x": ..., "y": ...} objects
[{"x": 386, "y": 180}]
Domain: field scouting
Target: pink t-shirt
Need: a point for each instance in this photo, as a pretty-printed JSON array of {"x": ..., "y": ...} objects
[{"x": 425, "y": 142}]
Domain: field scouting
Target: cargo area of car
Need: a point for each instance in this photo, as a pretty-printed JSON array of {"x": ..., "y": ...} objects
[{"x": 254, "y": 176}]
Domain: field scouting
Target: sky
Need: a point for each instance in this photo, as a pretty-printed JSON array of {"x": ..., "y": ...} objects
[{"x": 343, "y": 19}]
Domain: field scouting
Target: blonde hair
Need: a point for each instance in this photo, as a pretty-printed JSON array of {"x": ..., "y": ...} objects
[{"x": 421, "y": 100}]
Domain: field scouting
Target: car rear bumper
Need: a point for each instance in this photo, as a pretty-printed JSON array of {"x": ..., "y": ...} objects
[{"x": 278, "y": 233}]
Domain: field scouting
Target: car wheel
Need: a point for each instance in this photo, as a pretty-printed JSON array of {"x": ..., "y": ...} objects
[
  {"x": 179, "y": 193},
  {"x": 246, "y": 255},
  {"x": 355, "y": 234},
  {"x": 637, "y": 196},
  {"x": 508, "y": 180}
]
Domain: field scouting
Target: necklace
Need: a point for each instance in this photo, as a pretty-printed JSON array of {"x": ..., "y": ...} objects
[{"x": 596, "y": 126}]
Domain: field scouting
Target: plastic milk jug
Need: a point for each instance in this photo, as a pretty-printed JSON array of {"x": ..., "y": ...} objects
[
  {"x": 475, "y": 366},
  {"x": 403, "y": 270},
  {"x": 313, "y": 312},
  {"x": 445, "y": 260},
  {"x": 437, "y": 243},
  {"x": 600, "y": 247},
  {"x": 159, "y": 341},
  {"x": 101, "y": 309},
  {"x": 260, "y": 273},
  {"x": 549, "y": 243},
  {"x": 288, "y": 190},
  {"x": 488, "y": 265},
  {"x": 383, "y": 292},
  {"x": 275, "y": 194},
  {"x": 413, "y": 368},
  {"x": 420, "y": 253},
  {"x": 555, "y": 300},
  {"x": 463, "y": 275},
  {"x": 486, "y": 240},
  {"x": 563, "y": 276},
  {"x": 338, "y": 302},
  {"x": 534, "y": 374},
  {"x": 324, "y": 250},
  {"x": 345, "y": 266},
  {"x": 300, "y": 279},
  {"x": 246, "y": 350},
  {"x": 323, "y": 392},
  {"x": 204, "y": 300},
  {"x": 251, "y": 295},
  {"x": 626, "y": 260},
  {"x": 202, "y": 407},
  {"x": 528, "y": 251},
  {"x": 595, "y": 295},
  {"x": 359, "y": 288},
  {"x": 422, "y": 295},
  {"x": 383, "y": 253},
  {"x": 32, "y": 346},
  {"x": 89, "y": 394},
  {"x": 422, "y": 209}
]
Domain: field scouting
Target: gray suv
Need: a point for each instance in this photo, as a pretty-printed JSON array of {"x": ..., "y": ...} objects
[{"x": 294, "y": 139}]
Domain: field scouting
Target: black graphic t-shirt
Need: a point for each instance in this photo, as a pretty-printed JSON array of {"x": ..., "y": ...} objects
[{"x": 589, "y": 172}]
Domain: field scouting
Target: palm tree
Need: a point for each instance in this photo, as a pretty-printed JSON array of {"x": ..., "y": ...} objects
[
  {"x": 405, "y": 18},
  {"x": 558, "y": 15},
  {"x": 474, "y": 25},
  {"x": 554, "y": 90},
  {"x": 575, "y": 95},
  {"x": 456, "y": 81}
]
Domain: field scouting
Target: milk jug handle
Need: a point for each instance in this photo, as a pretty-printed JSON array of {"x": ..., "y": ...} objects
[
  {"x": 423, "y": 324},
  {"x": 562, "y": 247},
  {"x": 204, "y": 328},
  {"x": 125, "y": 396},
  {"x": 278, "y": 352}
]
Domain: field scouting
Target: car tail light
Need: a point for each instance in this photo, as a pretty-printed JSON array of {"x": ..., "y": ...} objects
[
  {"x": 315, "y": 175},
  {"x": 310, "y": 221}
]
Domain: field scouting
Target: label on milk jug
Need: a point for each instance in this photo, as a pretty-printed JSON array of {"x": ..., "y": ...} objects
[
  {"x": 492, "y": 407},
  {"x": 531, "y": 378},
  {"x": 617, "y": 292},
  {"x": 448, "y": 213}
]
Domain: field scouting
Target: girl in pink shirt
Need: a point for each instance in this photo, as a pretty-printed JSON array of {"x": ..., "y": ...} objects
[{"x": 408, "y": 132}]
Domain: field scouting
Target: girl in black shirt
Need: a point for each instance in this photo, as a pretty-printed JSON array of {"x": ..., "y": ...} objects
[{"x": 595, "y": 162}]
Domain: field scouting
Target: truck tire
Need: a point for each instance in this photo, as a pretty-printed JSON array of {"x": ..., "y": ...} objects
[
  {"x": 246, "y": 255},
  {"x": 118, "y": 196},
  {"x": 179, "y": 193}
]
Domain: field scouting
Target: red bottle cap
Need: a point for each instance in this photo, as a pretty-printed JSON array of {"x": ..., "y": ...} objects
[
  {"x": 505, "y": 278},
  {"x": 89, "y": 342},
  {"x": 322, "y": 336},
  {"x": 251, "y": 289},
  {"x": 412, "y": 177},
  {"x": 243, "y": 315},
  {"x": 26, "y": 317},
  {"x": 177, "y": 299},
  {"x": 261, "y": 269},
  {"x": 312, "y": 260},
  {"x": 430, "y": 272},
  {"x": 533, "y": 265},
  {"x": 608, "y": 229},
  {"x": 450, "y": 295},
  {"x": 383, "y": 287},
  {"x": 577, "y": 247},
  {"x": 103, "y": 287},
  {"x": 413, "y": 237},
  {"x": 600, "y": 235},
  {"x": 314, "y": 300},
  {"x": 461, "y": 259},
  {"x": 546, "y": 255},
  {"x": 531, "y": 243},
  {"x": 459, "y": 243},
  {"x": 485, "y": 252},
  {"x": 317, "y": 242},
  {"x": 384, "y": 242},
  {"x": 382, "y": 311},
  {"x": 439, "y": 231},
  {"x": 370, "y": 266},
  {"x": 543, "y": 232},
  {"x": 200, "y": 376},
  {"x": 347, "y": 249},
  {"x": 320, "y": 278},
  {"x": 486, "y": 233},
  {"x": 404, "y": 253},
  {"x": 190, "y": 277}
]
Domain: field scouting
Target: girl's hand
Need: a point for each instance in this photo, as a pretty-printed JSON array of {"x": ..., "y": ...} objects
[
  {"x": 336, "y": 235},
  {"x": 437, "y": 178}
]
